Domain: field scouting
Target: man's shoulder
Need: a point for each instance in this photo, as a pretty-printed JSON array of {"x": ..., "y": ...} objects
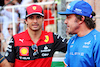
[
  {"x": 20, "y": 34},
  {"x": 95, "y": 33},
  {"x": 47, "y": 33}
]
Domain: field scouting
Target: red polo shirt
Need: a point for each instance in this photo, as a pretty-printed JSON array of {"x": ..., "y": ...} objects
[{"x": 22, "y": 52}]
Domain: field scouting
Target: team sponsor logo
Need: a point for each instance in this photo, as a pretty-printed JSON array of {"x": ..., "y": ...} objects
[
  {"x": 21, "y": 40},
  {"x": 45, "y": 50},
  {"x": 73, "y": 42},
  {"x": 71, "y": 46},
  {"x": 87, "y": 44},
  {"x": 24, "y": 51},
  {"x": 77, "y": 53},
  {"x": 78, "y": 11},
  {"x": 24, "y": 58},
  {"x": 46, "y": 38},
  {"x": 68, "y": 7},
  {"x": 95, "y": 37},
  {"x": 34, "y": 7}
]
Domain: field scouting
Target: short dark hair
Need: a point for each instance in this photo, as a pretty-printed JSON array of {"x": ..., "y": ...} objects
[{"x": 90, "y": 23}]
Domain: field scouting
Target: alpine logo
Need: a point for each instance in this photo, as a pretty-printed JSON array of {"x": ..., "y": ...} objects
[{"x": 87, "y": 44}]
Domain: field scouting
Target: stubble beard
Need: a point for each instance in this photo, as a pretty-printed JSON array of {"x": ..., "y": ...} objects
[{"x": 74, "y": 31}]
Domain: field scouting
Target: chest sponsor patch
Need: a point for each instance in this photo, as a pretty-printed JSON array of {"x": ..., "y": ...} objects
[
  {"x": 46, "y": 38},
  {"x": 24, "y": 51}
]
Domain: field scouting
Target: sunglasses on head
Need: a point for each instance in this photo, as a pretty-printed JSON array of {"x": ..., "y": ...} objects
[{"x": 10, "y": 28}]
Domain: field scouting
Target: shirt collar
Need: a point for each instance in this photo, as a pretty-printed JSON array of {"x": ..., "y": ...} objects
[{"x": 42, "y": 37}]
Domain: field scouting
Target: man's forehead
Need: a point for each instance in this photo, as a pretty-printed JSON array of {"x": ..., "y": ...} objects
[
  {"x": 34, "y": 15},
  {"x": 69, "y": 14}
]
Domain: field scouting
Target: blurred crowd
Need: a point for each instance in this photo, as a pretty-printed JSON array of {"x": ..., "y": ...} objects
[{"x": 6, "y": 24}]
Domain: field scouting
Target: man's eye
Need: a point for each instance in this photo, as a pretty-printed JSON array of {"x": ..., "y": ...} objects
[
  {"x": 31, "y": 17},
  {"x": 38, "y": 17},
  {"x": 68, "y": 16}
]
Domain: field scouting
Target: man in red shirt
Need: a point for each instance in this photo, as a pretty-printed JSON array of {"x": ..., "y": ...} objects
[{"x": 34, "y": 47}]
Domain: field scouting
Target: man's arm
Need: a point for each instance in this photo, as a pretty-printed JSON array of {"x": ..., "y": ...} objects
[
  {"x": 10, "y": 53},
  {"x": 4, "y": 62},
  {"x": 11, "y": 64},
  {"x": 60, "y": 43}
]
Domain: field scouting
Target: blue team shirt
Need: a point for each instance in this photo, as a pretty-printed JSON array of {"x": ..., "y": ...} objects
[{"x": 84, "y": 51}]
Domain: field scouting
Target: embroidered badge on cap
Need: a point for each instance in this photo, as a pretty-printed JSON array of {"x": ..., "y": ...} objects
[
  {"x": 34, "y": 7},
  {"x": 24, "y": 51}
]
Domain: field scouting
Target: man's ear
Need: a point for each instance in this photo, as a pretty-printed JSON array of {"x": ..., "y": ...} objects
[
  {"x": 43, "y": 18},
  {"x": 25, "y": 21},
  {"x": 82, "y": 18}
]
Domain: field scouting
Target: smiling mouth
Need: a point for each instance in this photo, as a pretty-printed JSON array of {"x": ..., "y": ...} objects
[{"x": 35, "y": 25}]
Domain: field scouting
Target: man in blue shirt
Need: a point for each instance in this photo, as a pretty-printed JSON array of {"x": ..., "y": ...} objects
[{"x": 84, "y": 47}]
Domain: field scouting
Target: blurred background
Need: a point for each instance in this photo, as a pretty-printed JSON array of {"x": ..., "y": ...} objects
[{"x": 13, "y": 12}]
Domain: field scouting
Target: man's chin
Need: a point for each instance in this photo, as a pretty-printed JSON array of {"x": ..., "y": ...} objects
[
  {"x": 70, "y": 32},
  {"x": 35, "y": 29}
]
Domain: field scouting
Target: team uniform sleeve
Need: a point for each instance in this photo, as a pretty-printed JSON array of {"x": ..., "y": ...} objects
[
  {"x": 1, "y": 58},
  {"x": 67, "y": 56},
  {"x": 10, "y": 53},
  {"x": 97, "y": 54},
  {"x": 60, "y": 44},
  {"x": 66, "y": 60}
]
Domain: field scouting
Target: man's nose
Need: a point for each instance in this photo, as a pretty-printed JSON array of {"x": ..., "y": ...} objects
[
  {"x": 65, "y": 21},
  {"x": 34, "y": 20}
]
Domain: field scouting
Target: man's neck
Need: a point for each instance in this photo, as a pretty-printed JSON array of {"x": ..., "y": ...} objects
[
  {"x": 83, "y": 33},
  {"x": 35, "y": 35},
  {"x": 83, "y": 30}
]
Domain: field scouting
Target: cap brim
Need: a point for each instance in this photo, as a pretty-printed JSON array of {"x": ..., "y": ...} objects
[
  {"x": 66, "y": 12},
  {"x": 35, "y": 14}
]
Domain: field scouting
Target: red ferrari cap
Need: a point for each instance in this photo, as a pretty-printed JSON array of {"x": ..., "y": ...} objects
[{"x": 34, "y": 9}]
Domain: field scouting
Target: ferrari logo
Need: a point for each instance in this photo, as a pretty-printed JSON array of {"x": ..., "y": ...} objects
[
  {"x": 46, "y": 38},
  {"x": 34, "y": 8}
]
